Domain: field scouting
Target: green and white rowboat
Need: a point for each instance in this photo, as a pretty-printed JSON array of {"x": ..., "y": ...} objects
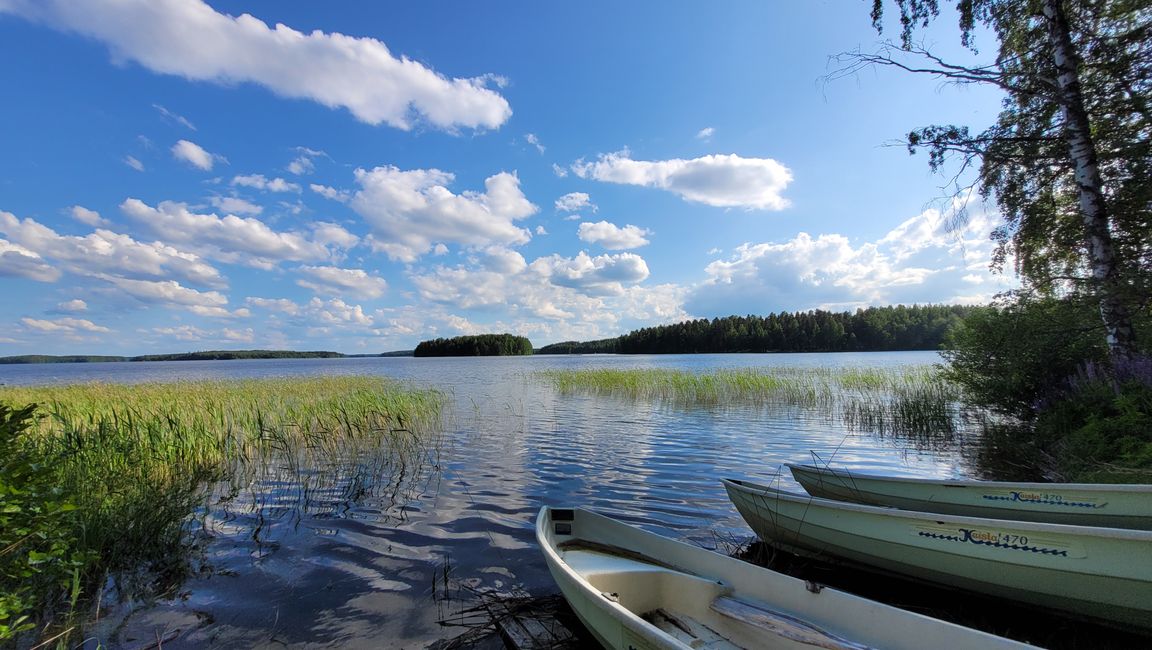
[
  {"x": 1105, "y": 573},
  {"x": 636, "y": 590},
  {"x": 1080, "y": 504}
]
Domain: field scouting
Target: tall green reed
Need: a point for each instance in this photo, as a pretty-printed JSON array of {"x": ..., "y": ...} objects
[{"x": 138, "y": 460}]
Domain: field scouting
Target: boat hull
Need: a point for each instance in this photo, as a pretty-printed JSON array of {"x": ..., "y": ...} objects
[
  {"x": 1078, "y": 504},
  {"x": 1103, "y": 573},
  {"x": 610, "y": 590}
]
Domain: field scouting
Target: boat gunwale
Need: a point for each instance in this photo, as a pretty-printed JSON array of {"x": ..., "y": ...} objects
[
  {"x": 768, "y": 492},
  {"x": 1087, "y": 487}
]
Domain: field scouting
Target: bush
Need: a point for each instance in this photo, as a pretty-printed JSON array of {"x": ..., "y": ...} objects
[{"x": 1099, "y": 427}]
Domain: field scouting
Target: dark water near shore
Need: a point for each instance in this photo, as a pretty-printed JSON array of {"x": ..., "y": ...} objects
[{"x": 377, "y": 559}]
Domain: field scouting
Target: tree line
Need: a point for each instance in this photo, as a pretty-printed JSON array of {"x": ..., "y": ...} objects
[
  {"x": 479, "y": 345},
  {"x": 918, "y": 327}
]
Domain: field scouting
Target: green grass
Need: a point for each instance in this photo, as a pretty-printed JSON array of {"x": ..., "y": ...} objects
[
  {"x": 914, "y": 401},
  {"x": 137, "y": 460}
]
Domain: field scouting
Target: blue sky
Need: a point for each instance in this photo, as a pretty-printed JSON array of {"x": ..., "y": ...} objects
[{"x": 360, "y": 176}]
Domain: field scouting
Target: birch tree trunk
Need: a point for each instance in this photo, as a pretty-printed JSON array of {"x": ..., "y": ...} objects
[{"x": 1093, "y": 210}]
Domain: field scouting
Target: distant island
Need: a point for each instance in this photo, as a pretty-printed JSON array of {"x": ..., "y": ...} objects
[
  {"x": 208, "y": 355},
  {"x": 480, "y": 345}
]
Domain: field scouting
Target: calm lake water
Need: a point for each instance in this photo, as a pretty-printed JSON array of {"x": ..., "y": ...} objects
[{"x": 377, "y": 558}]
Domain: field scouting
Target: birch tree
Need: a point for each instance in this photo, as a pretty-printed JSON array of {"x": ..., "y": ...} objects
[{"x": 1069, "y": 159}]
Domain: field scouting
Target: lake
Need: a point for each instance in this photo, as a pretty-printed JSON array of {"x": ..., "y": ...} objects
[{"x": 378, "y": 560}]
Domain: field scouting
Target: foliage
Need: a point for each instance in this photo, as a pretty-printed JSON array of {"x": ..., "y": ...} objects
[
  {"x": 1007, "y": 357},
  {"x": 599, "y": 346},
  {"x": 39, "y": 554},
  {"x": 482, "y": 345},
  {"x": 1099, "y": 424},
  {"x": 135, "y": 462},
  {"x": 1069, "y": 160}
]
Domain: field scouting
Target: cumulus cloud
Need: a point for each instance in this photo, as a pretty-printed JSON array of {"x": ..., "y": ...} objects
[
  {"x": 281, "y": 305},
  {"x": 194, "y": 155},
  {"x": 919, "y": 261},
  {"x": 330, "y": 280},
  {"x": 260, "y": 182},
  {"x": 235, "y": 205},
  {"x": 19, "y": 262},
  {"x": 231, "y": 238},
  {"x": 559, "y": 171},
  {"x": 72, "y": 306},
  {"x": 531, "y": 139},
  {"x": 330, "y": 192},
  {"x": 189, "y": 38},
  {"x": 611, "y": 236},
  {"x": 600, "y": 275},
  {"x": 132, "y": 162},
  {"x": 106, "y": 252},
  {"x": 86, "y": 216},
  {"x": 64, "y": 326},
  {"x": 705, "y": 133},
  {"x": 412, "y": 211},
  {"x": 727, "y": 181},
  {"x": 573, "y": 201}
]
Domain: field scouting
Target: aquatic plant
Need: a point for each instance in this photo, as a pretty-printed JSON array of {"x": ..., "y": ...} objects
[
  {"x": 911, "y": 401},
  {"x": 133, "y": 462}
]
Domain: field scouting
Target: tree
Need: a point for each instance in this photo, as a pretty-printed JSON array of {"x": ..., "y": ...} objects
[{"x": 1069, "y": 158}]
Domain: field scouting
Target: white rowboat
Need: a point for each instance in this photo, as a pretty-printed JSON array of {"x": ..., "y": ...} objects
[
  {"x": 637, "y": 590},
  {"x": 1080, "y": 504},
  {"x": 1104, "y": 573}
]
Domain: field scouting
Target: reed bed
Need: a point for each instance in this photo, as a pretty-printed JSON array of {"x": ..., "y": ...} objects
[
  {"x": 137, "y": 461},
  {"x": 915, "y": 401}
]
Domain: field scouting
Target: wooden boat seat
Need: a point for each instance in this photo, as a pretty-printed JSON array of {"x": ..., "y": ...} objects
[{"x": 781, "y": 624}]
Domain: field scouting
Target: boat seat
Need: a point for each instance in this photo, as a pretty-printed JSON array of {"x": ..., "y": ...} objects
[{"x": 760, "y": 616}]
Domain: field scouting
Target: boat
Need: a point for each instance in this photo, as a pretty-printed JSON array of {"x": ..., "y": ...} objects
[
  {"x": 634, "y": 589},
  {"x": 1078, "y": 504},
  {"x": 1100, "y": 573}
]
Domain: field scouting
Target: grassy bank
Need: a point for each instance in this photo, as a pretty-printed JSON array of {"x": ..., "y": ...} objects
[
  {"x": 914, "y": 400},
  {"x": 103, "y": 478}
]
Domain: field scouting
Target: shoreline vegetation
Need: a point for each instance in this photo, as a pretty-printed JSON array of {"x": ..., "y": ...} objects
[
  {"x": 101, "y": 481},
  {"x": 916, "y": 402},
  {"x": 207, "y": 355}
]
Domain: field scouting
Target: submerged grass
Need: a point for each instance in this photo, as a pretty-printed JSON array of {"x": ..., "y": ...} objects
[
  {"x": 914, "y": 401},
  {"x": 137, "y": 460}
]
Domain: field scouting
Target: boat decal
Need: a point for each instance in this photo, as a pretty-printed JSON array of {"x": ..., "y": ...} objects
[
  {"x": 1047, "y": 499},
  {"x": 1009, "y": 541}
]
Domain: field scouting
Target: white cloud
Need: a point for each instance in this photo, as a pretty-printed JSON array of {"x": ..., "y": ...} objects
[
  {"x": 260, "y": 182},
  {"x": 72, "y": 306},
  {"x": 336, "y": 312},
  {"x": 282, "y": 305},
  {"x": 559, "y": 171},
  {"x": 613, "y": 237},
  {"x": 132, "y": 162},
  {"x": 179, "y": 119},
  {"x": 705, "y": 133},
  {"x": 726, "y": 181},
  {"x": 600, "y": 275},
  {"x": 235, "y": 205},
  {"x": 245, "y": 335},
  {"x": 329, "y": 192},
  {"x": 86, "y": 216},
  {"x": 574, "y": 201},
  {"x": 189, "y": 38},
  {"x": 531, "y": 139},
  {"x": 182, "y": 333},
  {"x": 919, "y": 261},
  {"x": 64, "y": 325},
  {"x": 168, "y": 292},
  {"x": 330, "y": 280},
  {"x": 194, "y": 155},
  {"x": 106, "y": 252},
  {"x": 19, "y": 262},
  {"x": 541, "y": 230},
  {"x": 229, "y": 238},
  {"x": 412, "y": 211},
  {"x": 301, "y": 165}
]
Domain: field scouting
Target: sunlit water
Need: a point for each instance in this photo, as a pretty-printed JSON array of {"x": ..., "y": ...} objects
[{"x": 379, "y": 557}]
